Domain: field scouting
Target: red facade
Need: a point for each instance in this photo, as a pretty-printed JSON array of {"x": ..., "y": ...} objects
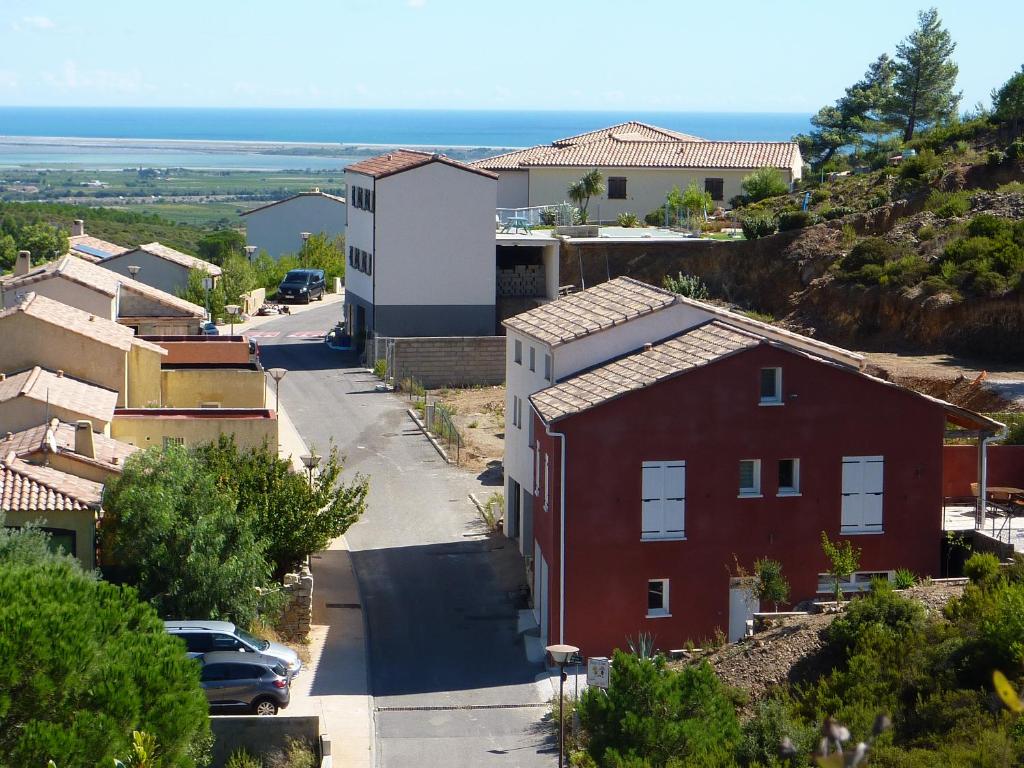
[
  {"x": 710, "y": 417},
  {"x": 960, "y": 467}
]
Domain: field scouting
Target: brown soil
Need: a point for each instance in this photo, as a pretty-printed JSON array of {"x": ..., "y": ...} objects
[
  {"x": 480, "y": 419},
  {"x": 984, "y": 387}
]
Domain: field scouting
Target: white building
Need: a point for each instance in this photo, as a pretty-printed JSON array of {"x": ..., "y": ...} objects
[
  {"x": 421, "y": 247},
  {"x": 558, "y": 339},
  {"x": 640, "y": 164},
  {"x": 277, "y": 227}
]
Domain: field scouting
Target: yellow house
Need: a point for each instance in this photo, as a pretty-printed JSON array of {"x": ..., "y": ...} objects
[
  {"x": 31, "y": 397},
  {"x": 38, "y": 330},
  {"x": 145, "y": 427},
  {"x": 73, "y": 448}
]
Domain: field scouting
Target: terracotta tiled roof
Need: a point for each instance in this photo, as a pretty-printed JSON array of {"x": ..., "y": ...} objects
[
  {"x": 637, "y": 145},
  {"x": 98, "y": 279},
  {"x": 177, "y": 257},
  {"x": 93, "y": 243},
  {"x": 26, "y": 487},
  {"x": 314, "y": 193},
  {"x": 61, "y": 391},
  {"x": 406, "y": 159},
  {"x": 691, "y": 349},
  {"x": 110, "y": 453},
  {"x": 82, "y": 323},
  {"x": 580, "y": 314}
]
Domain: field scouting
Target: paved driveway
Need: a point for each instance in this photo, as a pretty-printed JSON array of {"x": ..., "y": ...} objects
[{"x": 448, "y": 671}]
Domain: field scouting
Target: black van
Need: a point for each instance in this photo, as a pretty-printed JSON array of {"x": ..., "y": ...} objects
[{"x": 302, "y": 285}]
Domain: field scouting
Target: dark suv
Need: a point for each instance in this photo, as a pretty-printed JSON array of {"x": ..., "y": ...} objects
[
  {"x": 251, "y": 681},
  {"x": 302, "y": 285}
]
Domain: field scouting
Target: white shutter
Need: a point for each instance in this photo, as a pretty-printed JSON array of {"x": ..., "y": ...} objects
[
  {"x": 872, "y": 498},
  {"x": 675, "y": 498},
  {"x": 862, "y": 493},
  {"x": 652, "y": 495},
  {"x": 853, "y": 486}
]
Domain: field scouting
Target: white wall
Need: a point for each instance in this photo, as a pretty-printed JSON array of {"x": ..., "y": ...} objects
[
  {"x": 359, "y": 235},
  {"x": 277, "y": 229},
  {"x": 513, "y": 189},
  {"x": 67, "y": 292},
  {"x": 435, "y": 238},
  {"x": 160, "y": 273}
]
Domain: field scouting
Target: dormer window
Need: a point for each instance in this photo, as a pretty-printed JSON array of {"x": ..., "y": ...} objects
[{"x": 771, "y": 386}]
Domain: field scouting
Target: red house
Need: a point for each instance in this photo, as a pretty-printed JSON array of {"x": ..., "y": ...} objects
[{"x": 658, "y": 472}]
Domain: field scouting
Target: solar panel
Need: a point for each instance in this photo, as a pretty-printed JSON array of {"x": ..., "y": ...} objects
[{"x": 100, "y": 254}]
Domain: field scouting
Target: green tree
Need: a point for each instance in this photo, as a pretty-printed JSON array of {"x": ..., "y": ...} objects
[
  {"x": 43, "y": 242},
  {"x": 217, "y": 247},
  {"x": 1008, "y": 99},
  {"x": 769, "y": 583},
  {"x": 238, "y": 277},
  {"x": 8, "y": 252},
  {"x": 695, "y": 201},
  {"x": 27, "y": 545},
  {"x": 580, "y": 191},
  {"x": 293, "y": 518},
  {"x": 924, "y": 77},
  {"x": 321, "y": 253},
  {"x": 195, "y": 291},
  {"x": 763, "y": 183},
  {"x": 88, "y": 664},
  {"x": 843, "y": 560},
  {"x": 652, "y": 715},
  {"x": 175, "y": 531}
]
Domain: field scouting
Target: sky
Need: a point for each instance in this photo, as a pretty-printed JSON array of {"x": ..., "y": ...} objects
[{"x": 740, "y": 56}]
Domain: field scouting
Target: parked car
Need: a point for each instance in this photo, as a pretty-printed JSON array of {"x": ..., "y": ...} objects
[
  {"x": 302, "y": 285},
  {"x": 209, "y": 328},
  {"x": 203, "y": 636},
  {"x": 249, "y": 681}
]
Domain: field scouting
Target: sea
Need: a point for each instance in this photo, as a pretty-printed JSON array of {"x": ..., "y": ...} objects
[{"x": 319, "y": 139}]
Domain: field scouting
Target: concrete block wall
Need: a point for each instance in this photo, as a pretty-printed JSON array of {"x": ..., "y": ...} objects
[
  {"x": 450, "y": 361},
  {"x": 524, "y": 280}
]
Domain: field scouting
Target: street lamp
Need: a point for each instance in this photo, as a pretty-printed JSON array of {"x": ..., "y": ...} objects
[
  {"x": 310, "y": 461},
  {"x": 208, "y": 286},
  {"x": 277, "y": 374},
  {"x": 232, "y": 310},
  {"x": 561, "y": 655},
  {"x": 133, "y": 270},
  {"x": 305, "y": 239},
  {"x": 250, "y": 251}
]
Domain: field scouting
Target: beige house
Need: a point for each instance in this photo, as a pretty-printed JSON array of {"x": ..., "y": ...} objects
[
  {"x": 73, "y": 448},
  {"x": 145, "y": 427},
  {"x": 640, "y": 164},
  {"x": 32, "y": 397},
  {"x": 104, "y": 293},
  {"x": 160, "y": 267},
  {"x": 91, "y": 248},
  {"x": 41, "y": 331}
]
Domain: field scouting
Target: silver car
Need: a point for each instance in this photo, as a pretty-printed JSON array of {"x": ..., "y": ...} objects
[
  {"x": 236, "y": 680},
  {"x": 203, "y": 636}
]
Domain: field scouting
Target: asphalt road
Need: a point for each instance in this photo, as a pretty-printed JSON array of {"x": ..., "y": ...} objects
[{"x": 450, "y": 680}]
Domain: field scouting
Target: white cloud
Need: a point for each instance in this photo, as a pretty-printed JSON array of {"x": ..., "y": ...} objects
[
  {"x": 415, "y": 3},
  {"x": 71, "y": 77},
  {"x": 35, "y": 22}
]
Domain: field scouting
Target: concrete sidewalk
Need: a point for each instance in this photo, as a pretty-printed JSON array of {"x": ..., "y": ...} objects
[
  {"x": 294, "y": 309},
  {"x": 335, "y": 683}
]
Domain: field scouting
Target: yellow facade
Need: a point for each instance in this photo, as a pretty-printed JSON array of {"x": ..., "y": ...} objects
[
  {"x": 231, "y": 388},
  {"x": 162, "y": 427},
  {"x": 144, "y": 381},
  {"x": 81, "y": 522}
]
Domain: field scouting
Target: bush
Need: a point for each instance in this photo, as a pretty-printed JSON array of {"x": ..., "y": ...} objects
[
  {"x": 789, "y": 220},
  {"x": 1016, "y": 150},
  {"x": 995, "y": 158},
  {"x": 947, "y": 205},
  {"x": 757, "y": 226},
  {"x": 380, "y": 368},
  {"x": 690, "y": 286},
  {"x": 656, "y": 218},
  {"x": 872, "y": 250},
  {"x": 764, "y": 183},
  {"x": 241, "y": 758},
  {"x": 819, "y": 196},
  {"x": 878, "y": 199},
  {"x": 879, "y": 608},
  {"x": 925, "y": 233},
  {"x": 771, "y": 723},
  {"x": 904, "y": 578},
  {"x": 769, "y": 583},
  {"x": 627, "y": 219},
  {"x": 921, "y": 166},
  {"x": 838, "y": 212},
  {"x": 982, "y": 568}
]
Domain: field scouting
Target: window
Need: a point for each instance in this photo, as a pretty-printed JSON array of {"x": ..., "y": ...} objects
[
  {"x": 715, "y": 188},
  {"x": 533, "y": 358},
  {"x": 663, "y": 500},
  {"x": 515, "y": 410},
  {"x": 862, "y": 494},
  {"x": 169, "y": 441},
  {"x": 789, "y": 477},
  {"x": 657, "y": 598},
  {"x": 771, "y": 386},
  {"x": 369, "y": 263},
  {"x": 616, "y": 187},
  {"x": 547, "y": 482},
  {"x": 750, "y": 477},
  {"x": 518, "y": 356},
  {"x": 547, "y": 369},
  {"x": 536, "y": 469},
  {"x": 61, "y": 540}
]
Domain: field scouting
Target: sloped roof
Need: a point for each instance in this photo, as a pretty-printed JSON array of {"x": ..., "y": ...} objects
[
  {"x": 638, "y": 145},
  {"x": 314, "y": 193},
  {"x": 110, "y": 453},
  {"x": 696, "y": 347},
  {"x": 580, "y": 314},
  {"x": 80, "y": 322},
  {"x": 176, "y": 257},
  {"x": 402, "y": 160},
  {"x": 93, "y": 244},
  {"x": 26, "y": 487},
  {"x": 61, "y": 391}
]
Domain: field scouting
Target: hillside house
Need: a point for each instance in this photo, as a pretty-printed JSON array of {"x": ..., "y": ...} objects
[
  {"x": 277, "y": 227},
  {"x": 640, "y": 164},
  {"x": 33, "y": 396},
  {"x": 160, "y": 267}
]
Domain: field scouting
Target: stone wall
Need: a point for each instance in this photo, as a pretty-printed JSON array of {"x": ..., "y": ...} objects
[
  {"x": 297, "y": 616},
  {"x": 446, "y": 361},
  {"x": 523, "y": 280}
]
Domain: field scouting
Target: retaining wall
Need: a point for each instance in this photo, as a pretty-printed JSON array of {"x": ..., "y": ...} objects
[
  {"x": 445, "y": 361},
  {"x": 260, "y": 735}
]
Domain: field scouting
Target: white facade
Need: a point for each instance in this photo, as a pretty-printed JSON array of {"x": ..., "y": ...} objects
[
  {"x": 277, "y": 228},
  {"x": 166, "y": 275}
]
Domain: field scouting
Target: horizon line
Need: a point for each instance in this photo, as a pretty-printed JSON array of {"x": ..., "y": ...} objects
[{"x": 595, "y": 110}]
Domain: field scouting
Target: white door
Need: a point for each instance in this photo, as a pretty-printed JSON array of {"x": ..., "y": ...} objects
[
  {"x": 742, "y": 606},
  {"x": 540, "y": 592}
]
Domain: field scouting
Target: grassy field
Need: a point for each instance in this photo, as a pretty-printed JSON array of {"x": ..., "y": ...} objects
[{"x": 214, "y": 214}]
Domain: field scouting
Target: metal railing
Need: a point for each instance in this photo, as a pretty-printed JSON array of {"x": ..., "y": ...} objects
[{"x": 439, "y": 422}]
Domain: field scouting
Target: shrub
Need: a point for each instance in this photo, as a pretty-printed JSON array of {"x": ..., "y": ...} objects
[
  {"x": 946, "y": 205},
  {"x": 872, "y": 250},
  {"x": 241, "y": 758},
  {"x": 880, "y": 608},
  {"x": 878, "y": 199},
  {"x": 627, "y": 219},
  {"x": 838, "y": 212},
  {"x": 769, "y": 583},
  {"x": 843, "y": 559},
  {"x": 982, "y": 568},
  {"x": 789, "y": 220},
  {"x": 771, "y": 723},
  {"x": 757, "y": 226},
  {"x": 995, "y": 158},
  {"x": 925, "y": 233},
  {"x": 819, "y": 196},
  {"x": 764, "y": 183},
  {"x": 656, "y": 218},
  {"x": 690, "y": 286},
  {"x": 1016, "y": 150},
  {"x": 904, "y": 578},
  {"x": 549, "y": 216},
  {"x": 921, "y": 166},
  {"x": 380, "y": 368}
]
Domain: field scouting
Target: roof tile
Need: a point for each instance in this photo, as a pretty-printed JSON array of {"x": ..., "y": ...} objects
[
  {"x": 61, "y": 391},
  {"x": 176, "y": 257},
  {"x": 26, "y": 487},
  {"x": 110, "y": 453},
  {"x": 405, "y": 160}
]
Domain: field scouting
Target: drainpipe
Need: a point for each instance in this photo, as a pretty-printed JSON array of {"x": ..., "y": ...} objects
[{"x": 561, "y": 538}]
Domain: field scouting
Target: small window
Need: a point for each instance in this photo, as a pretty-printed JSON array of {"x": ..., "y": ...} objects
[
  {"x": 169, "y": 441},
  {"x": 657, "y": 597},
  {"x": 369, "y": 263},
  {"x": 616, "y": 187},
  {"x": 519, "y": 413},
  {"x": 518, "y": 356},
  {"x": 515, "y": 410},
  {"x": 789, "y": 477},
  {"x": 715, "y": 188},
  {"x": 547, "y": 369},
  {"x": 371, "y": 202},
  {"x": 750, "y": 477},
  {"x": 771, "y": 386},
  {"x": 533, "y": 358}
]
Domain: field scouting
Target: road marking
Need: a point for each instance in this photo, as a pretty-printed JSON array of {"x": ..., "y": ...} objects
[
  {"x": 261, "y": 334},
  {"x": 460, "y": 708},
  {"x": 306, "y": 335}
]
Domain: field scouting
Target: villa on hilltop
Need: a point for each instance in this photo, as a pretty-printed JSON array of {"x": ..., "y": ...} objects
[{"x": 640, "y": 164}]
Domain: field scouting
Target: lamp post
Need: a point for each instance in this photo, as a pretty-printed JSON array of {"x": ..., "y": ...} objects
[
  {"x": 277, "y": 374},
  {"x": 305, "y": 239},
  {"x": 561, "y": 655},
  {"x": 208, "y": 286},
  {"x": 250, "y": 251},
  {"x": 310, "y": 461},
  {"x": 232, "y": 310},
  {"x": 133, "y": 270}
]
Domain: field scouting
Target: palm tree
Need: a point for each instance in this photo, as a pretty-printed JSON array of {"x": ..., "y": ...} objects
[{"x": 580, "y": 192}]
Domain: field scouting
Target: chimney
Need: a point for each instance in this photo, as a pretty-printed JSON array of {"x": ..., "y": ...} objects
[
  {"x": 60, "y": 373},
  {"x": 78, "y": 228},
  {"x": 83, "y": 439},
  {"x": 3, "y": 376},
  {"x": 648, "y": 347},
  {"x": 23, "y": 264}
]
